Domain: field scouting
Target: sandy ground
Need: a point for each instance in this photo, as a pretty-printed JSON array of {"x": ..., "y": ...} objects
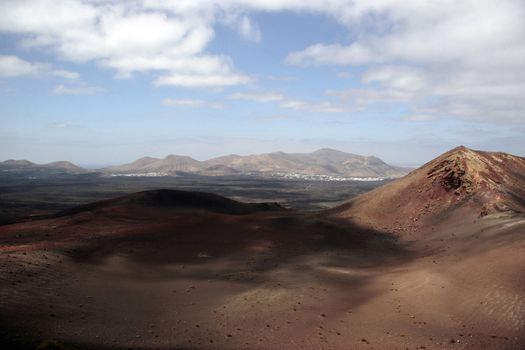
[{"x": 175, "y": 279}]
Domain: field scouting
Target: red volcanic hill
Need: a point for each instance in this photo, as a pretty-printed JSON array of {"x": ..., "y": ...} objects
[
  {"x": 174, "y": 199},
  {"x": 479, "y": 183}
]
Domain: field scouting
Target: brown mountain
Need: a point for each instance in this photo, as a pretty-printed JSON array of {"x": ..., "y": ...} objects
[
  {"x": 219, "y": 170},
  {"x": 26, "y": 166},
  {"x": 324, "y": 161},
  {"x": 16, "y": 163},
  {"x": 321, "y": 162},
  {"x": 66, "y": 166},
  {"x": 169, "y": 165},
  {"x": 137, "y": 165},
  {"x": 473, "y": 183}
]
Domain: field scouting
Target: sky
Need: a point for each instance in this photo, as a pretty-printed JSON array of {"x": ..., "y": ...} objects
[{"x": 101, "y": 82}]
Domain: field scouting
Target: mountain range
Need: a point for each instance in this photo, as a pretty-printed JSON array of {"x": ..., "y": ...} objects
[
  {"x": 323, "y": 162},
  {"x": 26, "y": 167}
]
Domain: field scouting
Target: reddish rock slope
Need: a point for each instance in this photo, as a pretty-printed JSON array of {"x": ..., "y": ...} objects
[{"x": 472, "y": 183}]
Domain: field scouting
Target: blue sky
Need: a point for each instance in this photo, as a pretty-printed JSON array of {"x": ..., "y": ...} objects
[{"x": 105, "y": 82}]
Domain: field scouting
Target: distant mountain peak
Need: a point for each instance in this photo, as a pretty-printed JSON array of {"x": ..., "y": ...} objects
[
  {"x": 28, "y": 168},
  {"x": 18, "y": 162},
  {"x": 328, "y": 150},
  {"x": 460, "y": 148},
  {"x": 147, "y": 158},
  {"x": 64, "y": 165}
]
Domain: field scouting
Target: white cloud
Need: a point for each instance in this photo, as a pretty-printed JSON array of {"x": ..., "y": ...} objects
[
  {"x": 65, "y": 74},
  {"x": 183, "y": 102},
  {"x": 257, "y": 96},
  {"x": 386, "y": 84},
  {"x": 319, "y": 54},
  {"x": 249, "y": 30},
  {"x": 463, "y": 59},
  {"x": 163, "y": 37},
  {"x": 315, "y": 107},
  {"x": 201, "y": 80},
  {"x": 81, "y": 89},
  {"x": 399, "y": 78},
  {"x": 450, "y": 92},
  {"x": 194, "y": 103},
  {"x": 288, "y": 103},
  {"x": 13, "y": 66},
  {"x": 447, "y": 59}
]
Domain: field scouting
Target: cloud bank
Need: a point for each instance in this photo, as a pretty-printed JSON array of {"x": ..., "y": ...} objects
[
  {"x": 463, "y": 59},
  {"x": 444, "y": 59},
  {"x": 13, "y": 66}
]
